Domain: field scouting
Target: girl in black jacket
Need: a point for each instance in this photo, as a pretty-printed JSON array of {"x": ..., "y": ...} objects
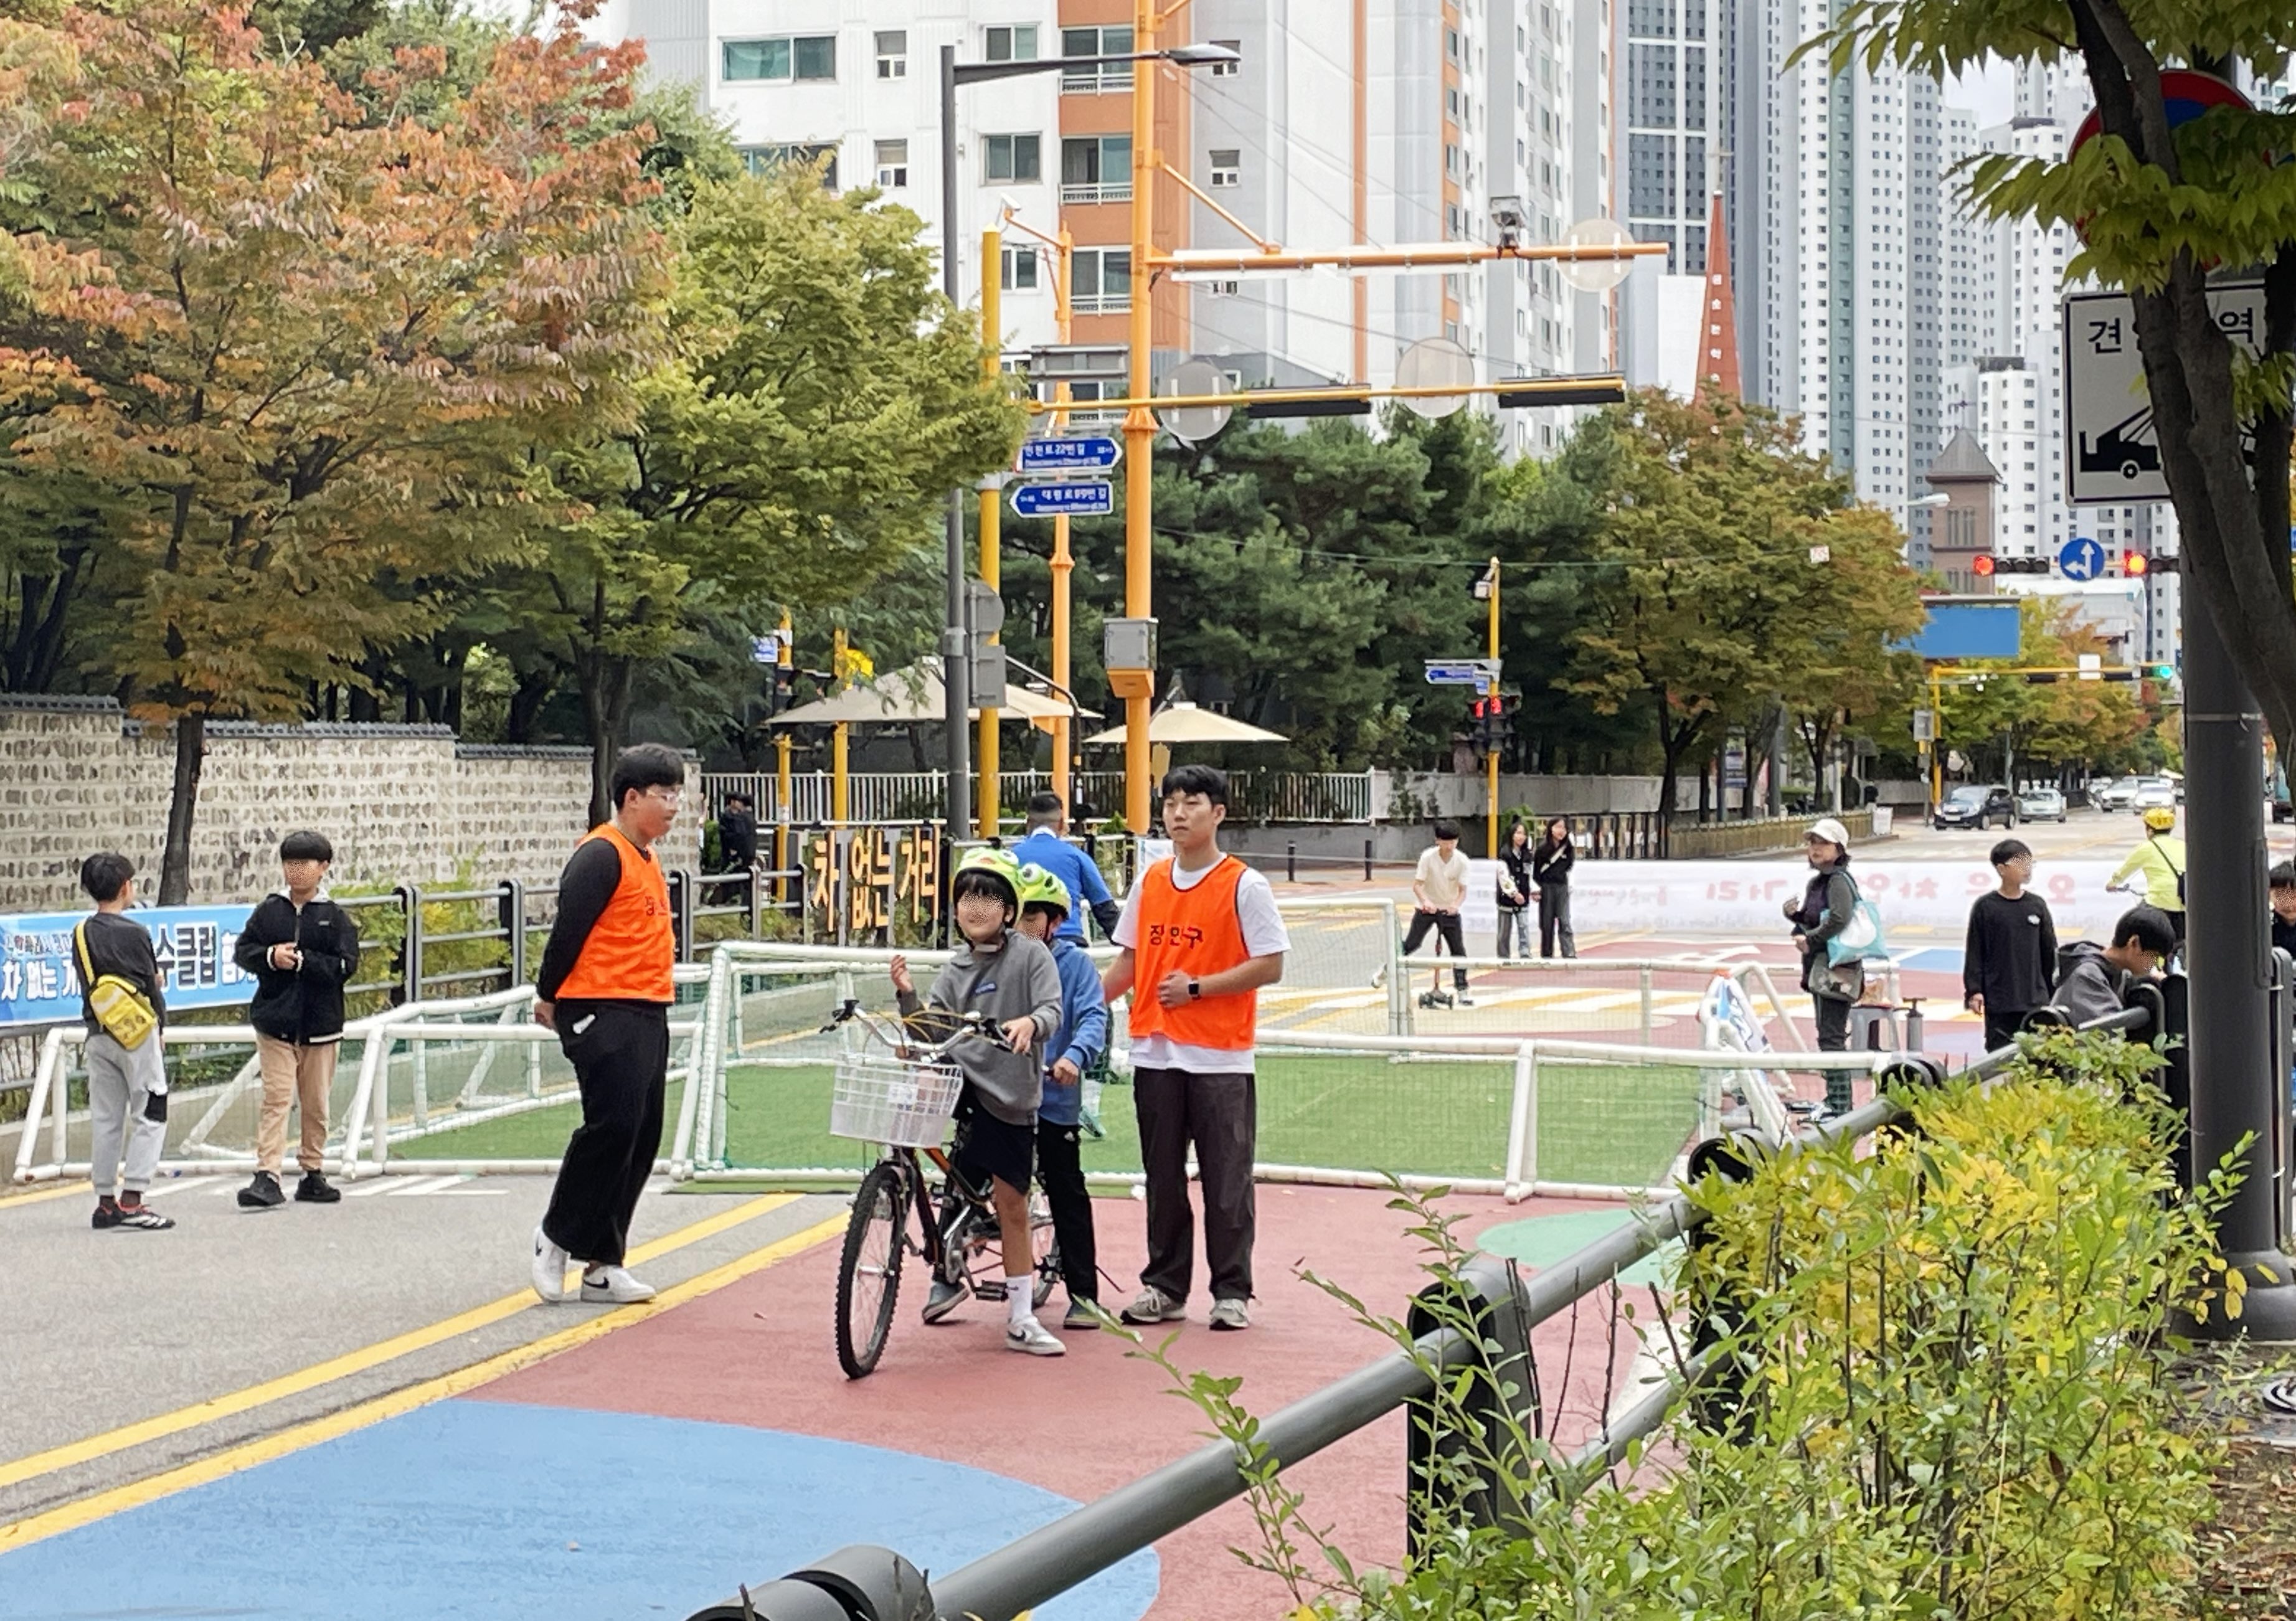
[
  {"x": 1514, "y": 889},
  {"x": 1550, "y": 869}
]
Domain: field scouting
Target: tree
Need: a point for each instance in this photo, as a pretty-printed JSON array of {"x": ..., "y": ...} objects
[
  {"x": 302, "y": 345},
  {"x": 2159, "y": 209},
  {"x": 2055, "y": 719},
  {"x": 1842, "y": 674},
  {"x": 819, "y": 401}
]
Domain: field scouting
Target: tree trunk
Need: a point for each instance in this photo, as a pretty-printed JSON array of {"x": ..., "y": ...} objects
[
  {"x": 526, "y": 704},
  {"x": 183, "y": 805},
  {"x": 607, "y": 681}
]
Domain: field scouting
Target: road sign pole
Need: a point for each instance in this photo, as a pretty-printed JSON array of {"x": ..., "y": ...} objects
[
  {"x": 956, "y": 715},
  {"x": 1138, "y": 688},
  {"x": 992, "y": 562},
  {"x": 1491, "y": 761}
]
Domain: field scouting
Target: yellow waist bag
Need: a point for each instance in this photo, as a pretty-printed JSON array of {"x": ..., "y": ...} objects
[{"x": 118, "y": 1006}]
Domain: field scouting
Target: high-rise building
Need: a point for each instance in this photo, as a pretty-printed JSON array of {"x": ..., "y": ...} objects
[{"x": 1678, "y": 109}]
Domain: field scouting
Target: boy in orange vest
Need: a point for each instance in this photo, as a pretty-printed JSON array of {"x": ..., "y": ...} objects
[
  {"x": 1199, "y": 936},
  {"x": 605, "y": 988}
]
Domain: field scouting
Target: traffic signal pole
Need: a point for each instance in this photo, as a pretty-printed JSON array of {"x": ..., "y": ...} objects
[
  {"x": 1137, "y": 688},
  {"x": 992, "y": 512},
  {"x": 1491, "y": 759}
]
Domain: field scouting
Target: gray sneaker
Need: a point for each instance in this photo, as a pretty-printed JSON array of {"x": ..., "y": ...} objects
[
  {"x": 1231, "y": 1316},
  {"x": 1083, "y": 1315},
  {"x": 1152, "y": 1305},
  {"x": 942, "y": 1300}
]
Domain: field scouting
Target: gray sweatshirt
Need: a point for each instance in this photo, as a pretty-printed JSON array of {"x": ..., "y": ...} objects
[
  {"x": 1017, "y": 981},
  {"x": 2091, "y": 988}
]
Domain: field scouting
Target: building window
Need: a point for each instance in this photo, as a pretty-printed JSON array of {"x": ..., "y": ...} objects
[
  {"x": 1451, "y": 44},
  {"x": 1013, "y": 158},
  {"x": 1651, "y": 19},
  {"x": 1097, "y": 42},
  {"x": 807, "y": 57},
  {"x": 1652, "y": 70},
  {"x": 1101, "y": 281},
  {"x": 765, "y": 159},
  {"x": 1017, "y": 43},
  {"x": 1021, "y": 269},
  {"x": 892, "y": 53},
  {"x": 1096, "y": 168},
  {"x": 1228, "y": 69},
  {"x": 892, "y": 164},
  {"x": 1227, "y": 167}
]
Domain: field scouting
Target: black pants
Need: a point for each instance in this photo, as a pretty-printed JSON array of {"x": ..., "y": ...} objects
[
  {"x": 1219, "y": 1115},
  {"x": 620, "y": 1053},
  {"x": 1446, "y": 928},
  {"x": 1834, "y": 1037},
  {"x": 1555, "y": 921},
  {"x": 2001, "y": 1026},
  {"x": 1059, "y": 1172}
]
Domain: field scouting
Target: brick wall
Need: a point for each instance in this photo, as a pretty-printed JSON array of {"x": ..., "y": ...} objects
[{"x": 401, "y": 803}]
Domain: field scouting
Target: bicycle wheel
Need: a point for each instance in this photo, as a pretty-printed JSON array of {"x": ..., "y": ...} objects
[
  {"x": 869, "y": 1271},
  {"x": 1044, "y": 1248}
]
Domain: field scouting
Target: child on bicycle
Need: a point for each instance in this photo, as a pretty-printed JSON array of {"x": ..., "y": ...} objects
[
  {"x": 1008, "y": 979},
  {"x": 1075, "y": 1047}
]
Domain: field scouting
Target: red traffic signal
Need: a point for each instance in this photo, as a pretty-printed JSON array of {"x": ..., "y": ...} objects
[
  {"x": 2134, "y": 564},
  {"x": 1981, "y": 565}
]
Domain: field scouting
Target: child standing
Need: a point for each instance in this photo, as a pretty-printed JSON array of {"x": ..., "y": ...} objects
[
  {"x": 1075, "y": 1047},
  {"x": 1009, "y": 979},
  {"x": 1438, "y": 888},
  {"x": 2009, "y": 961},
  {"x": 302, "y": 949},
  {"x": 126, "y": 1085},
  {"x": 2284, "y": 906}
]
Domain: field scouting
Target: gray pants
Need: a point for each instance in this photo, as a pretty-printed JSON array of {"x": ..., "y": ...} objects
[
  {"x": 1219, "y": 1115},
  {"x": 127, "y": 1095}
]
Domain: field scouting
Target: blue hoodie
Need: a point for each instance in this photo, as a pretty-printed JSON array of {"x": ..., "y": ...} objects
[{"x": 1083, "y": 1033}]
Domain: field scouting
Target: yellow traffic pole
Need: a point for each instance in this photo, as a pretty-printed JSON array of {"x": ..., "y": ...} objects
[
  {"x": 838, "y": 775},
  {"x": 1138, "y": 687},
  {"x": 1937, "y": 739},
  {"x": 992, "y": 562},
  {"x": 1491, "y": 760}
]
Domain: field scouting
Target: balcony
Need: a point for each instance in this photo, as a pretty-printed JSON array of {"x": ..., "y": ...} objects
[
  {"x": 1095, "y": 81},
  {"x": 1101, "y": 191},
  {"x": 1102, "y": 303}
]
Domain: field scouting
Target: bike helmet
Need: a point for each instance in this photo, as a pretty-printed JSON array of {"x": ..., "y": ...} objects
[
  {"x": 2160, "y": 818},
  {"x": 1040, "y": 887},
  {"x": 996, "y": 865}
]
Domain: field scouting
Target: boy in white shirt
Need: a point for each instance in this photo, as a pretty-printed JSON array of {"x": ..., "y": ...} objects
[{"x": 1439, "y": 887}]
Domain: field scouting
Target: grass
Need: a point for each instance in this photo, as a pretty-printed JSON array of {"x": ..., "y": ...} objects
[{"x": 1601, "y": 1124}]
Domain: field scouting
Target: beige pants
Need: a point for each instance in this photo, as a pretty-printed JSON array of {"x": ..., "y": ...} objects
[{"x": 293, "y": 1075}]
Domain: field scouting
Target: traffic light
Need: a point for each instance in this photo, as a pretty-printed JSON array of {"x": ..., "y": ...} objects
[
  {"x": 1493, "y": 725},
  {"x": 2164, "y": 565},
  {"x": 2162, "y": 672},
  {"x": 2020, "y": 565},
  {"x": 2134, "y": 564},
  {"x": 1981, "y": 566}
]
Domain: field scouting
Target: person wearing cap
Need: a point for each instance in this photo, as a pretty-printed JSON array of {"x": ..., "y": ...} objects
[
  {"x": 302, "y": 949},
  {"x": 1824, "y": 912},
  {"x": 2160, "y": 859},
  {"x": 605, "y": 986},
  {"x": 1010, "y": 979},
  {"x": 1079, "y": 1044}
]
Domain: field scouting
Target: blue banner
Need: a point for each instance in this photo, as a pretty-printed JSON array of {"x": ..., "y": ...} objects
[{"x": 39, "y": 978}]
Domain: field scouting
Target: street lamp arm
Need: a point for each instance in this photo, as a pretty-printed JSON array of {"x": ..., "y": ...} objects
[{"x": 1180, "y": 56}]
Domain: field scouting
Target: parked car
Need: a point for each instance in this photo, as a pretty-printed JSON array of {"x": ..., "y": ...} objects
[
  {"x": 1971, "y": 806},
  {"x": 2113, "y": 793},
  {"x": 2154, "y": 792},
  {"x": 2041, "y": 804}
]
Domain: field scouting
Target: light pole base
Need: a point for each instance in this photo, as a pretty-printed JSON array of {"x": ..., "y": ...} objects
[{"x": 2268, "y": 1311}]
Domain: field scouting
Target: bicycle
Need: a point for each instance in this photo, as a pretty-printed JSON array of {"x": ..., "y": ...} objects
[{"x": 900, "y": 1093}]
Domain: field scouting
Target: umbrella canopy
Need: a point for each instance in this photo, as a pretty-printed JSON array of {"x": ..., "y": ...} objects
[
  {"x": 908, "y": 696},
  {"x": 1185, "y": 722}
]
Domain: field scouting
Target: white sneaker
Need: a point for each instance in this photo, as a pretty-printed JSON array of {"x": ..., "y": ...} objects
[
  {"x": 549, "y": 1268},
  {"x": 1230, "y": 1315},
  {"x": 1033, "y": 1337},
  {"x": 612, "y": 1286},
  {"x": 1152, "y": 1305}
]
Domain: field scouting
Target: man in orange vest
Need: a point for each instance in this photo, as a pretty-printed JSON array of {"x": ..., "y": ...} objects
[
  {"x": 605, "y": 988},
  {"x": 1199, "y": 936}
]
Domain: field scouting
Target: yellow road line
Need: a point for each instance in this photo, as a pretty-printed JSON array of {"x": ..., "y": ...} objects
[
  {"x": 66, "y": 1190},
  {"x": 264, "y": 1449},
  {"x": 353, "y": 1362}
]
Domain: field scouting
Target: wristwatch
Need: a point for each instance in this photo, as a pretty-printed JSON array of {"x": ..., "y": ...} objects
[{"x": 1195, "y": 989}]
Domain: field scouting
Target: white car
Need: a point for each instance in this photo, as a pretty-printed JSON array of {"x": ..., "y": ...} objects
[
  {"x": 2113, "y": 793},
  {"x": 2155, "y": 793},
  {"x": 2041, "y": 804}
]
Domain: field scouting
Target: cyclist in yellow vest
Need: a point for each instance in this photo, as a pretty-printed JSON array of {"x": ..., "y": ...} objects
[
  {"x": 2161, "y": 858},
  {"x": 605, "y": 988}
]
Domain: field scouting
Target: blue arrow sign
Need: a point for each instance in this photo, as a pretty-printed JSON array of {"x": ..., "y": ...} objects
[
  {"x": 1081, "y": 454},
  {"x": 2081, "y": 558},
  {"x": 1085, "y": 498},
  {"x": 1477, "y": 673}
]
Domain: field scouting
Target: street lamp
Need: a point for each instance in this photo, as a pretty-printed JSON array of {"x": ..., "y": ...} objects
[{"x": 956, "y": 675}]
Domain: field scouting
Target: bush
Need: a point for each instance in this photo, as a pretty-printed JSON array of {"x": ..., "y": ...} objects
[{"x": 1954, "y": 1370}]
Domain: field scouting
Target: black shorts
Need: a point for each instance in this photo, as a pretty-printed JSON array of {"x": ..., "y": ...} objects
[{"x": 986, "y": 1146}]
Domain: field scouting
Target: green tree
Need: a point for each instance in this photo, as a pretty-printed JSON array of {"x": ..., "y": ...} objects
[
  {"x": 1842, "y": 674},
  {"x": 2159, "y": 209}
]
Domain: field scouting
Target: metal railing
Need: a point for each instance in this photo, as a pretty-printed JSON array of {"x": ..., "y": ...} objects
[
  {"x": 1023, "y": 1575},
  {"x": 1318, "y": 797},
  {"x": 1096, "y": 190}
]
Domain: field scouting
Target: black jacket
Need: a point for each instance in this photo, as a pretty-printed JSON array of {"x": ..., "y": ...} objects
[
  {"x": 1825, "y": 909},
  {"x": 2283, "y": 935},
  {"x": 1514, "y": 861},
  {"x": 737, "y": 840},
  {"x": 303, "y": 1004},
  {"x": 1551, "y": 863},
  {"x": 117, "y": 944}
]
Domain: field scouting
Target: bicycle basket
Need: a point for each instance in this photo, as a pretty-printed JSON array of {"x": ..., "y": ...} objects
[{"x": 901, "y": 1102}]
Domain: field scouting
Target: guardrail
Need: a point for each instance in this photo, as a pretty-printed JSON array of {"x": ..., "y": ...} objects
[{"x": 871, "y": 1583}]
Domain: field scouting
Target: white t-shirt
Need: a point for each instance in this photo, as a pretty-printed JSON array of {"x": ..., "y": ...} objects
[
  {"x": 1443, "y": 882},
  {"x": 1264, "y": 935}
]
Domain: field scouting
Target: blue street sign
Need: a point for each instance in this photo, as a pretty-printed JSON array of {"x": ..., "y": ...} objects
[
  {"x": 1477, "y": 673},
  {"x": 1070, "y": 454},
  {"x": 2081, "y": 558},
  {"x": 1085, "y": 498}
]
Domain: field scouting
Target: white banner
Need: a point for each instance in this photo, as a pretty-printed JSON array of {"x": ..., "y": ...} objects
[{"x": 1746, "y": 898}]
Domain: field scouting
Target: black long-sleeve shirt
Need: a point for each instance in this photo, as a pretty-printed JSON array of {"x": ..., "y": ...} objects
[
  {"x": 591, "y": 875},
  {"x": 1551, "y": 863},
  {"x": 117, "y": 944},
  {"x": 2011, "y": 955},
  {"x": 737, "y": 840}
]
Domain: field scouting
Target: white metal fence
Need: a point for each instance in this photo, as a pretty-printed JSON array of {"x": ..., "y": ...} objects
[{"x": 1308, "y": 797}]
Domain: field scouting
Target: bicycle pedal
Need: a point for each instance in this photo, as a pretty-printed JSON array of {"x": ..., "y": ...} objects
[{"x": 992, "y": 1291}]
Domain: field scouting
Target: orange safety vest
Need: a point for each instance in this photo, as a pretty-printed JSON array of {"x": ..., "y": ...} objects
[
  {"x": 1197, "y": 931},
  {"x": 628, "y": 952}
]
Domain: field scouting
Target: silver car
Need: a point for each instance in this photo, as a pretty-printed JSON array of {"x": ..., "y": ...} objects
[
  {"x": 2041, "y": 804},
  {"x": 2113, "y": 793},
  {"x": 2156, "y": 793}
]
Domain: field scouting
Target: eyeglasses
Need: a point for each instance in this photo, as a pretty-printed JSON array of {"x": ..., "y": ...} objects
[{"x": 671, "y": 797}]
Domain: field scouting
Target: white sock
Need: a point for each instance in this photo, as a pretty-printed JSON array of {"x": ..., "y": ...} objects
[{"x": 1020, "y": 1298}]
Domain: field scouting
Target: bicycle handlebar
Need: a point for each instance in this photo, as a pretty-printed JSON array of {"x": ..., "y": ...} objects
[{"x": 904, "y": 1037}]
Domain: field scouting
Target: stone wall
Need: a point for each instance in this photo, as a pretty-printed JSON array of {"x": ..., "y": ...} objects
[{"x": 401, "y": 803}]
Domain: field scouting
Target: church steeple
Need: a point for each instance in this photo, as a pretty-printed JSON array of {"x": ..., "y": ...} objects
[{"x": 1717, "y": 347}]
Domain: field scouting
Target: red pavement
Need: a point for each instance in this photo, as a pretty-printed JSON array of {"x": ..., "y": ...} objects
[{"x": 759, "y": 1353}]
